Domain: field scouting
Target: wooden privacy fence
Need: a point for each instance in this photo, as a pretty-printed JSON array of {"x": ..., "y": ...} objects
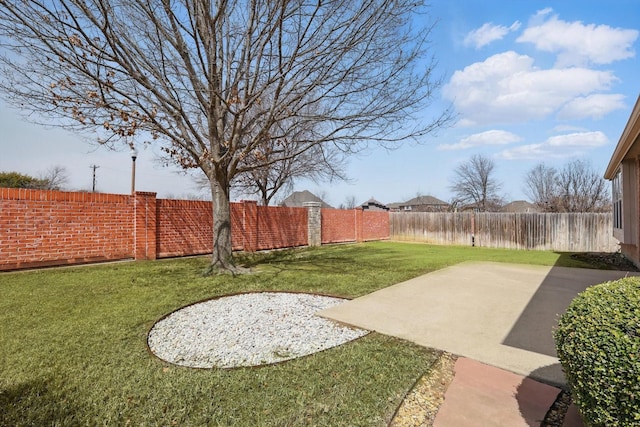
[{"x": 562, "y": 232}]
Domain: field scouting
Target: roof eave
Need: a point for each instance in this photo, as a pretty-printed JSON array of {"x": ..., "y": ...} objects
[{"x": 629, "y": 135}]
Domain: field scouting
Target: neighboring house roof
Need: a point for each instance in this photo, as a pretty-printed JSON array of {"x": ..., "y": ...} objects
[
  {"x": 520, "y": 206},
  {"x": 629, "y": 143},
  {"x": 423, "y": 200},
  {"x": 375, "y": 204},
  {"x": 297, "y": 199},
  {"x": 420, "y": 204}
]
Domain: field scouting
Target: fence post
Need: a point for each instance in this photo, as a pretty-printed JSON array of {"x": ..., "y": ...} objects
[
  {"x": 144, "y": 225},
  {"x": 473, "y": 228},
  {"x": 314, "y": 223}
]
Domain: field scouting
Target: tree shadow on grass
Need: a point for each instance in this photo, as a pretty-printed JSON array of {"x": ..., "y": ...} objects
[
  {"x": 339, "y": 260},
  {"x": 36, "y": 403}
]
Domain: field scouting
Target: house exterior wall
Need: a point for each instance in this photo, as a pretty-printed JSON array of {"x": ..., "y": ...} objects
[
  {"x": 374, "y": 208},
  {"x": 628, "y": 235},
  {"x": 625, "y": 202},
  {"x": 423, "y": 208},
  {"x": 624, "y": 170}
]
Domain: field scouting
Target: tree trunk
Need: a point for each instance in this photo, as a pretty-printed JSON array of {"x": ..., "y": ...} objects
[{"x": 221, "y": 259}]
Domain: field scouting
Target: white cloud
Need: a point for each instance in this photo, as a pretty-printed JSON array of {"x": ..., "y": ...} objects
[
  {"x": 593, "y": 106},
  {"x": 507, "y": 87},
  {"x": 490, "y": 137},
  {"x": 557, "y": 147},
  {"x": 539, "y": 16},
  {"x": 567, "y": 128},
  {"x": 525, "y": 152},
  {"x": 488, "y": 33},
  {"x": 578, "y": 139},
  {"x": 577, "y": 44}
]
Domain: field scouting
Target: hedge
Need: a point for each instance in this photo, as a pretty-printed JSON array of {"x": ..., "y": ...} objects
[{"x": 598, "y": 344}]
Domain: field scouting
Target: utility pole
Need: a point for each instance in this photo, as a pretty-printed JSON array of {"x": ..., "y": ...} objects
[{"x": 94, "y": 167}]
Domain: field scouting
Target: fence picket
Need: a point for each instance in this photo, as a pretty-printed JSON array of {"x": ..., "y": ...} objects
[{"x": 563, "y": 232}]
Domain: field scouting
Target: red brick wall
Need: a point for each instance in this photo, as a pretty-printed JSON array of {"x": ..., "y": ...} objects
[
  {"x": 354, "y": 225},
  {"x": 40, "y": 228},
  {"x": 280, "y": 227},
  {"x": 183, "y": 227},
  {"x": 375, "y": 226},
  {"x": 338, "y": 225},
  {"x": 244, "y": 230}
]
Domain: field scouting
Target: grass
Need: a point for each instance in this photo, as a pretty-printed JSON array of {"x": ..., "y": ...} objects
[{"x": 73, "y": 342}]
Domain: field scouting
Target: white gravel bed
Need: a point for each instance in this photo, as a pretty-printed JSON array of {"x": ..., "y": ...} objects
[{"x": 248, "y": 330}]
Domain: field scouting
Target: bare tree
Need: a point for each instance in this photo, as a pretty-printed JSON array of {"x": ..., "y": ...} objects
[
  {"x": 577, "y": 187},
  {"x": 270, "y": 181},
  {"x": 350, "y": 202},
  {"x": 541, "y": 186},
  {"x": 323, "y": 195},
  {"x": 54, "y": 178},
  {"x": 582, "y": 189},
  {"x": 219, "y": 84},
  {"x": 315, "y": 164},
  {"x": 454, "y": 204},
  {"x": 475, "y": 182}
]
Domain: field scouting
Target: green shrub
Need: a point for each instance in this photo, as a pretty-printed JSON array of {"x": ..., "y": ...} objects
[{"x": 598, "y": 344}]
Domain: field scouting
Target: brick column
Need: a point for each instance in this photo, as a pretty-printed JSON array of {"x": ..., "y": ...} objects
[
  {"x": 144, "y": 226},
  {"x": 314, "y": 223},
  {"x": 250, "y": 225}
]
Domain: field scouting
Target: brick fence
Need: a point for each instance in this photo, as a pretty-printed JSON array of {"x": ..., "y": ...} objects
[{"x": 45, "y": 228}]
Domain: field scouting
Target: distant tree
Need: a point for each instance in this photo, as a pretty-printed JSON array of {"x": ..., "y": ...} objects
[
  {"x": 54, "y": 178},
  {"x": 582, "y": 189},
  {"x": 541, "y": 186},
  {"x": 318, "y": 164},
  {"x": 577, "y": 187},
  {"x": 224, "y": 86},
  {"x": 323, "y": 195},
  {"x": 19, "y": 180},
  {"x": 350, "y": 202},
  {"x": 475, "y": 182},
  {"x": 454, "y": 204}
]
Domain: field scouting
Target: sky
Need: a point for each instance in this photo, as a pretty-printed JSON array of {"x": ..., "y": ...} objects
[{"x": 529, "y": 82}]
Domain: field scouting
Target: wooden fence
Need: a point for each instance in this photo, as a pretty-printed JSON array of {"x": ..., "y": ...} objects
[{"x": 563, "y": 232}]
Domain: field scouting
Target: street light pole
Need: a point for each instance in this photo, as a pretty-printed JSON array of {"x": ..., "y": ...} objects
[{"x": 134, "y": 156}]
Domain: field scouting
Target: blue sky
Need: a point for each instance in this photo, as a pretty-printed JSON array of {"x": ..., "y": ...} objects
[{"x": 530, "y": 82}]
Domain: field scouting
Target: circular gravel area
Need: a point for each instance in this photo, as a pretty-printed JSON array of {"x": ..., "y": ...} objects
[{"x": 248, "y": 330}]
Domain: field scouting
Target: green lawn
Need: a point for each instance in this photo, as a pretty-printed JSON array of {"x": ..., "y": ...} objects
[{"x": 73, "y": 342}]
